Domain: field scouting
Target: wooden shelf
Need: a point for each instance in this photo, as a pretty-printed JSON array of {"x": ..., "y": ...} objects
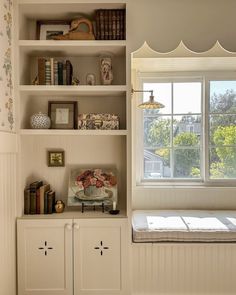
[
  {"x": 71, "y": 47},
  {"x": 85, "y": 90},
  {"x": 73, "y": 132}
]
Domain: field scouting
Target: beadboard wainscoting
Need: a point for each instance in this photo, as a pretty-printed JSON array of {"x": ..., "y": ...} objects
[
  {"x": 8, "y": 213},
  {"x": 189, "y": 268}
]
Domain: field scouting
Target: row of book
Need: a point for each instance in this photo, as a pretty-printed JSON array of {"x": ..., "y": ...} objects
[
  {"x": 110, "y": 24},
  {"x": 39, "y": 198},
  {"x": 54, "y": 72}
]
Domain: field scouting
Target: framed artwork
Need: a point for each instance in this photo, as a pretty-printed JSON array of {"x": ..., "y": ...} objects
[
  {"x": 63, "y": 114},
  {"x": 89, "y": 186},
  {"x": 49, "y": 29},
  {"x": 56, "y": 158}
]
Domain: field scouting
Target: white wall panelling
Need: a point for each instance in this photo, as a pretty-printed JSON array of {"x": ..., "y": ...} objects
[
  {"x": 8, "y": 214},
  {"x": 183, "y": 268}
]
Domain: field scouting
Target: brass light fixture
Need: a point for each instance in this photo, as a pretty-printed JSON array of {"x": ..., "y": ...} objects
[{"x": 151, "y": 103}]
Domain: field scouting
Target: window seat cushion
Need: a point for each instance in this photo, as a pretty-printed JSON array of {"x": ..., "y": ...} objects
[{"x": 184, "y": 226}]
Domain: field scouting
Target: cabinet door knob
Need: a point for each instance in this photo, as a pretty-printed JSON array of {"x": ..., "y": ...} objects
[
  {"x": 68, "y": 226},
  {"x": 76, "y": 226}
]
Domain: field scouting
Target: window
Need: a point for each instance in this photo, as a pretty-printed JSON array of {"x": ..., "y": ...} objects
[
  {"x": 222, "y": 129},
  {"x": 194, "y": 137}
]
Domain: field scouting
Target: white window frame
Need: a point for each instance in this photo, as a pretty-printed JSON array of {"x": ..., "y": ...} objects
[{"x": 205, "y": 78}]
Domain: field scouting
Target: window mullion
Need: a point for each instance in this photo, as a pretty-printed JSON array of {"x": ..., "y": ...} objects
[
  {"x": 171, "y": 133},
  {"x": 206, "y": 170}
]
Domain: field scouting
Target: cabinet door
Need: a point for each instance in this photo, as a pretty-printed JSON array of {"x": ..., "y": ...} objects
[
  {"x": 44, "y": 257},
  {"x": 99, "y": 257}
]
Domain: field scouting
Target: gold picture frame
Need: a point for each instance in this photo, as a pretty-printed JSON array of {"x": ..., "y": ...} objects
[{"x": 56, "y": 158}]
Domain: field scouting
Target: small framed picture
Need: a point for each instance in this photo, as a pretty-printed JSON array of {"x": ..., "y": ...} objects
[
  {"x": 63, "y": 114},
  {"x": 48, "y": 29},
  {"x": 56, "y": 158}
]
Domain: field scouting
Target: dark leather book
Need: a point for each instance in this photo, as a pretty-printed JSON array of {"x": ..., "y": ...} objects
[
  {"x": 109, "y": 24},
  {"x": 69, "y": 72},
  {"x": 27, "y": 201},
  {"x": 113, "y": 24},
  {"x": 122, "y": 24},
  {"x": 42, "y": 71},
  {"x": 98, "y": 29},
  {"x": 106, "y": 24},
  {"x": 46, "y": 201},
  {"x": 118, "y": 24},
  {"x": 51, "y": 202},
  {"x": 33, "y": 188},
  {"x": 60, "y": 73},
  {"x": 102, "y": 28}
]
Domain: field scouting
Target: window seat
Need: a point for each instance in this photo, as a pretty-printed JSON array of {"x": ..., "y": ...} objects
[{"x": 184, "y": 226}]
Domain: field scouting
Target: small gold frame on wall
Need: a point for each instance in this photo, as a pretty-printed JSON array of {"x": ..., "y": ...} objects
[{"x": 56, "y": 158}]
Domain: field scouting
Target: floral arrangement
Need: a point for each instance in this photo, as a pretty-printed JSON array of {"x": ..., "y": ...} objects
[{"x": 96, "y": 178}]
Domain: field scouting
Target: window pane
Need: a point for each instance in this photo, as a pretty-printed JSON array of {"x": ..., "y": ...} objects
[
  {"x": 187, "y": 163},
  {"x": 223, "y": 130},
  {"x": 187, "y": 97},
  {"x": 223, "y": 97},
  {"x": 156, "y": 163},
  {"x": 186, "y": 130},
  {"x": 162, "y": 94},
  {"x": 223, "y": 162},
  {"x": 157, "y": 131}
]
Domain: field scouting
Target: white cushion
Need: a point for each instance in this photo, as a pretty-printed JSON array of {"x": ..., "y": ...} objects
[{"x": 184, "y": 226}]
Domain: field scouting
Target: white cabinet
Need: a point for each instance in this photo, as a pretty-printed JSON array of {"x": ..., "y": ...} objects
[
  {"x": 45, "y": 257},
  {"x": 100, "y": 257},
  {"x": 55, "y": 254}
]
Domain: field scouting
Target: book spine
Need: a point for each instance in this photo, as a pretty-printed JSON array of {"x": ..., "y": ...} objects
[
  {"x": 110, "y": 24},
  {"x": 69, "y": 73},
  {"x": 122, "y": 24},
  {"x": 98, "y": 29},
  {"x": 46, "y": 202},
  {"x": 51, "y": 198},
  {"x": 113, "y": 24},
  {"x": 102, "y": 28},
  {"x": 52, "y": 70},
  {"x": 55, "y": 72},
  {"x": 41, "y": 71},
  {"x": 27, "y": 201},
  {"x": 48, "y": 72},
  {"x": 106, "y": 25},
  {"x": 117, "y": 24},
  {"x": 32, "y": 202},
  {"x": 60, "y": 73},
  {"x": 37, "y": 201}
]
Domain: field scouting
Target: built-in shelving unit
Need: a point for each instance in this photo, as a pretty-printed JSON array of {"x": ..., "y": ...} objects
[{"x": 82, "y": 147}]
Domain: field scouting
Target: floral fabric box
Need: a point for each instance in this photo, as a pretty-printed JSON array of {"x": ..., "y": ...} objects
[{"x": 98, "y": 121}]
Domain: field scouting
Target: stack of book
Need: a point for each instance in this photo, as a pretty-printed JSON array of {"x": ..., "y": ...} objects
[
  {"x": 110, "y": 24},
  {"x": 39, "y": 198},
  {"x": 54, "y": 72}
]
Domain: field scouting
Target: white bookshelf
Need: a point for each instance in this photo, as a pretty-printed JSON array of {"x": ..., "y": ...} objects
[
  {"x": 84, "y": 90},
  {"x": 82, "y": 147},
  {"x": 73, "y": 132}
]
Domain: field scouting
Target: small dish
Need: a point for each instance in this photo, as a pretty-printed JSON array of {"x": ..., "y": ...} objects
[{"x": 114, "y": 212}]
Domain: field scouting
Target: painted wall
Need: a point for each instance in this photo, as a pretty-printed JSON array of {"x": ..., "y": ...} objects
[
  {"x": 199, "y": 23},
  {"x": 163, "y": 24},
  {"x": 6, "y": 83}
]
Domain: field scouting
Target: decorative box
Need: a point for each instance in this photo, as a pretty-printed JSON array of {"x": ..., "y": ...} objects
[{"x": 98, "y": 121}]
